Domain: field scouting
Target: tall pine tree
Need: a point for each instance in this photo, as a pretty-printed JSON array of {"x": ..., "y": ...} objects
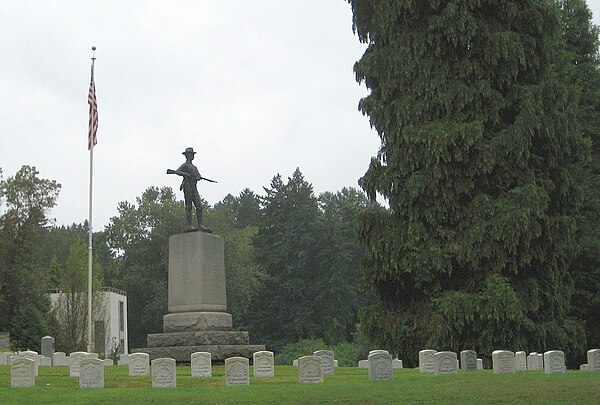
[
  {"x": 582, "y": 43},
  {"x": 478, "y": 145}
]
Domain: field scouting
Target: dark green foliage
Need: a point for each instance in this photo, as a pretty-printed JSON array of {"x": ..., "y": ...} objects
[
  {"x": 23, "y": 279},
  {"x": 582, "y": 42},
  {"x": 234, "y": 219},
  {"x": 310, "y": 253},
  {"x": 286, "y": 245},
  {"x": 479, "y": 141}
]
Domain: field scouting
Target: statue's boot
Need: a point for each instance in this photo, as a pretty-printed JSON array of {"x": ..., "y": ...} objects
[{"x": 200, "y": 226}]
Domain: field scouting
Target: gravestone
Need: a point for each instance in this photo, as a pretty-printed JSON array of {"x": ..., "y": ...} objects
[
  {"x": 397, "y": 363},
  {"x": 263, "y": 364},
  {"x": 593, "y": 358},
  {"x": 60, "y": 359},
  {"x": 503, "y": 362},
  {"x": 4, "y": 358},
  {"x": 520, "y": 361},
  {"x": 540, "y": 361},
  {"x": 295, "y": 363},
  {"x": 139, "y": 364},
  {"x": 29, "y": 354},
  {"x": 45, "y": 361},
  {"x": 197, "y": 320},
  {"x": 445, "y": 363},
  {"x": 123, "y": 359},
  {"x": 554, "y": 362},
  {"x": 363, "y": 364},
  {"x": 4, "y": 340},
  {"x": 22, "y": 372},
  {"x": 201, "y": 364},
  {"x": 583, "y": 367},
  {"x": 426, "y": 361},
  {"x": 164, "y": 373},
  {"x": 468, "y": 360},
  {"x": 108, "y": 362},
  {"x": 328, "y": 361},
  {"x": 310, "y": 370},
  {"x": 380, "y": 366},
  {"x": 237, "y": 371},
  {"x": 74, "y": 363},
  {"x": 533, "y": 362},
  {"x": 479, "y": 364},
  {"x": 48, "y": 347},
  {"x": 377, "y": 351},
  {"x": 91, "y": 373}
]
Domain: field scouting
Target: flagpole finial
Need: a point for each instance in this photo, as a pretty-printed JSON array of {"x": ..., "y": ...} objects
[{"x": 93, "y": 52}]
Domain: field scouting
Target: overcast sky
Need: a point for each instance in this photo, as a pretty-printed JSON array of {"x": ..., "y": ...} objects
[{"x": 256, "y": 87}]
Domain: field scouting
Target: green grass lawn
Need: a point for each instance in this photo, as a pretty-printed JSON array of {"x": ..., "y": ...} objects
[{"x": 349, "y": 385}]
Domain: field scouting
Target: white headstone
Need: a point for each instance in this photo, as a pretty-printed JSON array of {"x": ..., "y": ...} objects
[
  {"x": 468, "y": 360},
  {"x": 22, "y": 372},
  {"x": 583, "y": 367},
  {"x": 75, "y": 359},
  {"x": 532, "y": 362},
  {"x": 554, "y": 362},
  {"x": 139, "y": 364},
  {"x": 45, "y": 361},
  {"x": 310, "y": 370},
  {"x": 60, "y": 359},
  {"x": 201, "y": 363},
  {"x": 4, "y": 358},
  {"x": 397, "y": 363},
  {"x": 237, "y": 371},
  {"x": 363, "y": 364},
  {"x": 29, "y": 354},
  {"x": 336, "y": 363},
  {"x": 263, "y": 364},
  {"x": 328, "y": 361},
  {"x": 164, "y": 373},
  {"x": 426, "y": 361},
  {"x": 445, "y": 363},
  {"x": 91, "y": 373},
  {"x": 380, "y": 366},
  {"x": 593, "y": 358},
  {"x": 540, "y": 361},
  {"x": 479, "y": 364},
  {"x": 108, "y": 362},
  {"x": 503, "y": 362},
  {"x": 520, "y": 361},
  {"x": 295, "y": 363},
  {"x": 123, "y": 359}
]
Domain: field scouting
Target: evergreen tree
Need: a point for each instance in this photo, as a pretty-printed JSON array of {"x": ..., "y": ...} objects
[
  {"x": 286, "y": 245},
  {"x": 339, "y": 298},
  {"x": 478, "y": 145},
  {"x": 582, "y": 43}
]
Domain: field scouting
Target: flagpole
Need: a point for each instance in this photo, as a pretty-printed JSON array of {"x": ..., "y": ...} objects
[{"x": 90, "y": 229}]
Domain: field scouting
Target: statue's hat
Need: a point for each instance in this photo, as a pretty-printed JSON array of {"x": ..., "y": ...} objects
[{"x": 188, "y": 150}]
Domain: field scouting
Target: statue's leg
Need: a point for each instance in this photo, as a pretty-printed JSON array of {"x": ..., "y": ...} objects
[{"x": 188, "y": 217}]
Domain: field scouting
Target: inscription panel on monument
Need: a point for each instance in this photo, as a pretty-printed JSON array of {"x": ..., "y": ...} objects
[{"x": 196, "y": 273}]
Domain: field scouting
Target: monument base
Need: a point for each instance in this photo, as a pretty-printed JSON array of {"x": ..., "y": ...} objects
[{"x": 197, "y": 321}]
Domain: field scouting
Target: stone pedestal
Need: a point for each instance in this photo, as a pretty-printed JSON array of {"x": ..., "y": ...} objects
[{"x": 197, "y": 321}]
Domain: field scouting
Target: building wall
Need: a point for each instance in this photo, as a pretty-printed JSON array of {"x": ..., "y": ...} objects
[{"x": 114, "y": 319}]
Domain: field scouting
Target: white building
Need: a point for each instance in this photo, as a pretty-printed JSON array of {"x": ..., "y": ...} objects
[{"x": 109, "y": 321}]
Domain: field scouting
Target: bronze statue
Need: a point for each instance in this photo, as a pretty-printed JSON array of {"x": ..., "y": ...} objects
[{"x": 191, "y": 176}]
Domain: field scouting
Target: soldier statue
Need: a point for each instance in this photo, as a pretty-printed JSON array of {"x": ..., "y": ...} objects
[{"x": 191, "y": 176}]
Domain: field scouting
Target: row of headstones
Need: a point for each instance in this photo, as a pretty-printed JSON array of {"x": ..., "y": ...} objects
[
  {"x": 503, "y": 361},
  {"x": 60, "y": 358}
]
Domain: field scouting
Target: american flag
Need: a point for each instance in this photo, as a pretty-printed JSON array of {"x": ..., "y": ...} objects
[{"x": 93, "y": 124}]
